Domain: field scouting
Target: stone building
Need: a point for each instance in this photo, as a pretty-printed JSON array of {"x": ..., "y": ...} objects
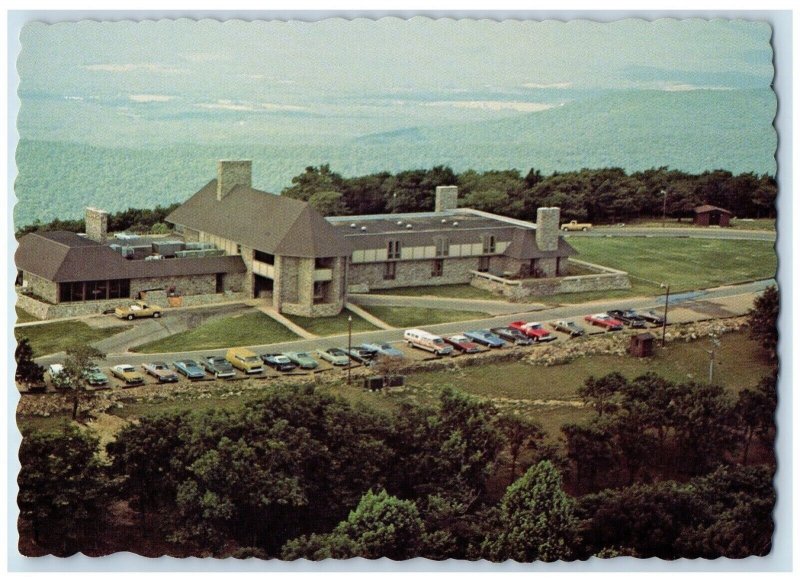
[{"x": 239, "y": 242}]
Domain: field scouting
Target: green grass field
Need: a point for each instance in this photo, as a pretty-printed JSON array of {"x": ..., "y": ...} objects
[
  {"x": 686, "y": 264},
  {"x": 413, "y": 316},
  {"x": 25, "y": 317},
  {"x": 50, "y": 338},
  {"x": 459, "y": 291},
  {"x": 738, "y": 224},
  {"x": 244, "y": 330},
  {"x": 324, "y": 326}
]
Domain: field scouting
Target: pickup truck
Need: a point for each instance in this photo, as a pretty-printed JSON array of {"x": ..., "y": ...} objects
[
  {"x": 137, "y": 310},
  {"x": 573, "y": 225}
]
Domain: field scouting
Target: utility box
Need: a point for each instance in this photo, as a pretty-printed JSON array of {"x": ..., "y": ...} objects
[
  {"x": 373, "y": 383},
  {"x": 641, "y": 345}
]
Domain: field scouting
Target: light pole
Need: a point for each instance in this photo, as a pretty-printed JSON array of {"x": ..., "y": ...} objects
[
  {"x": 349, "y": 346},
  {"x": 664, "y": 323},
  {"x": 712, "y": 352},
  {"x": 664, "y": 214}
]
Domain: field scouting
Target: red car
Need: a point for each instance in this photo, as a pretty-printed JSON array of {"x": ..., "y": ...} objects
[
  {"x": 604, "y": 320},
  {"x": 533, "y": 329},
  {"x": 463, "y": 344}
]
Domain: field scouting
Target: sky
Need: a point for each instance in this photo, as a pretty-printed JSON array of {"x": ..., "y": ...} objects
[{"x": 337, "y": 76}]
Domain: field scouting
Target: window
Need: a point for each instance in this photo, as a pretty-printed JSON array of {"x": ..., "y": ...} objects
[
  {"x": 323, "y": 263},
  {"x": 264, "y": 257},
  {"x": 238, "y": 249},
  {"x": 442, "y": 246},
  {"x": 489, "y": 245},
  {"x": 389, "y": 271},
  {"x": 93, "y": 290},
  {"x": 483, "y": 264},
  {"x": 220, "y": 282},
  {"x": 393, "y": 251},
  {"x": 320, "y": 291},
  {"x": 438, "y": 268}
]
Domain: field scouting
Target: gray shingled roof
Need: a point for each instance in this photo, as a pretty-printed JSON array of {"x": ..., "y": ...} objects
[
  {"x": 65, "y": 257},
  {"x": 272, "y": 224},
  {"x": 709, "y": 208},
  {"x": 523, "y": 247}
]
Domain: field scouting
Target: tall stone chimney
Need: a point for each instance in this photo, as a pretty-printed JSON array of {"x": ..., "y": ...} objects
[
  {"x": 231, "y": 173},
  {"x": 446, "y": 198},
  {"x": 547, "y": 223},
  {"x": 96, "y": 225}
]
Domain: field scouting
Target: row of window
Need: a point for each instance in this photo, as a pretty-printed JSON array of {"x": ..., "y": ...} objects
[
  {"x": 437, "y": 268},
  {"x": 442, "y": 244},
  {"x": 94, "y": 290}
]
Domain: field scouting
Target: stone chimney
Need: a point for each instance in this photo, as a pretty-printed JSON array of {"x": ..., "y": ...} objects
[
  {"x": 96, "y": 225},
  {"x": 232, "y": 173},
  {"x": 547, "y": 223},
  {"x": 446, "y": 198}
]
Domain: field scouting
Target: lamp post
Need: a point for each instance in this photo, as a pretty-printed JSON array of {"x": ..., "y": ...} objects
[
  {"x": 664, "y": 214},
  {"x": 349, "y": 346},
  {"x": 664, "y": 323},
  {"x": 712, "y": 353}
]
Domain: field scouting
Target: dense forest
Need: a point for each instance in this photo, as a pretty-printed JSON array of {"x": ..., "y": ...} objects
[{"x": 600, "y": 196}]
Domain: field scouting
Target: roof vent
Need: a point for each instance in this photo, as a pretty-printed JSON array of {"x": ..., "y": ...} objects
[
  {"x": 363, "y": 228},
  {"x": 444, "y": 221},
  {"x": 399, "y": 223},
  {"x": 409, "y": 226},
  {"x": 455, "y": 223},
  {"x": 352, "y": 225}
]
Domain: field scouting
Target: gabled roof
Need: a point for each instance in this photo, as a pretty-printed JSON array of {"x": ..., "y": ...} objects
[
  {"x": 523, "y": 247},
  {"x": 709, "y": 208},
  {"x": 262, "y": 221},
  {"x": 65, "y": 257}
]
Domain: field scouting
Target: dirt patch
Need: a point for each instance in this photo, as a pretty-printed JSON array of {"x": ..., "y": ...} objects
[{"x": 105, "y": 427}]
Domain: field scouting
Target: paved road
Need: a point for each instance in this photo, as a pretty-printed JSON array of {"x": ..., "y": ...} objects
[
  {"x": 492, "y": 307},
  {"x": 565, "y": 311},
  {"x": 712, "y": 233}
]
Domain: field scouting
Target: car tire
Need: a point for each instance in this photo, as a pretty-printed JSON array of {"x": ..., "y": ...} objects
[
  {"x": 157, "y": 314},
  {"x": 130, "y": 317}
]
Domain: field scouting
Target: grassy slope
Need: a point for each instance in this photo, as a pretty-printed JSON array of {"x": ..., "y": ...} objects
[
  {"x": 25, "y": 317},
  {"x": 460, "y": 291},
  {"x": 413, "y": 316},
  {"x": 55, "y": 337},
  {"x": 324, "y": 326},
  {"x": 243, "y": 330}
]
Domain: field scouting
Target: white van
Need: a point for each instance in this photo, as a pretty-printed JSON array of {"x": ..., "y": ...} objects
[{"x": 423, "y": 340}]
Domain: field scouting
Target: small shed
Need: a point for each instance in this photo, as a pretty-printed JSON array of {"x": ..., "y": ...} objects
[
  {"x": 707, "y": 215},
  {"x": 641, "y": 345}
]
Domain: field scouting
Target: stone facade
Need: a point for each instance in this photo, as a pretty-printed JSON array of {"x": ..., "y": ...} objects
[
  {"x": 96, "y": 225},
  {"x": 547, "y": 223},
  {"x": 363, "y": 277},
  {"x": 231, "y": 174},
  {"x": 41, "y": 287},
  {"x": 446, "y": 198},
  {"x": 605, "y": 279},
  {"x": 293, "y": 288},
  {"x": 191, "y": 285}
]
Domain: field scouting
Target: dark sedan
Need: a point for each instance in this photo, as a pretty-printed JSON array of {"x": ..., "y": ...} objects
[
  {"x": 218, "y": 367},
  {"x": 629, "y": 317},
  {"x": 278, "y": 362},
  {"x": 485, "y": 338},
  {"x": 190, "y": 369},
  {"x": 652, "y": 317},
  {"x": 513, "y": 336}
]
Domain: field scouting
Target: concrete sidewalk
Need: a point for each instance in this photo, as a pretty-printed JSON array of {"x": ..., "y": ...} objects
[
  {"x": 368, "y": 316},
  {"x": 284, "y": 321}
]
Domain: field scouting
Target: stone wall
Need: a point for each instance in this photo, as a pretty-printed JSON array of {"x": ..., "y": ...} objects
[
  {"x": 96, "y": 224},
  {"x": 232, "y": 173},
  {"x": 363, "y": 277},
  {"x": 604, "y": 279},
  {"x": 248, "y": 285},
  {"x": 547, "y": 224},
  {"x": 446, "y": 198},
  {"x": 41, "y": 287},
  {"x": 293, "y": 292},
  {"x": 188, "y": 285}
]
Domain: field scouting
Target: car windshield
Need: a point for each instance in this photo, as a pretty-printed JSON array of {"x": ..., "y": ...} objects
[
  {"x": 438, "y": 341},
  {"x": 190, "y": 364},
  {"x": 126, "y": 368},
  {"x": 302, "y": 355},
  {"x": 250, "y": 359},
  {"x": 386, "y": 347}
]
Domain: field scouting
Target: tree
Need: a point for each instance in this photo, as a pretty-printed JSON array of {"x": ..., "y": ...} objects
[
  {"x": 536, "y": 519},
  {"x": 755, "y": 411},
  {"x": 591, "y": 449},
  {"x": 79, "y": 359},
  {"x": 328, "y": 203},
  {"x": 62, "y": 488},
  {"x": 599, "y": 392},
  {"x": 763, "y": 319},
  {"x": 381, "y": 526},
  {"x": 28, "y": 372},
  {"x": 520, "y": 433}
]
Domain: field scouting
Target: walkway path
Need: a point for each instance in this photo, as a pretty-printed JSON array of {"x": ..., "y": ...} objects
[
  {"x": 368, "y": 316},
  {"x": 285, "y": 321}
]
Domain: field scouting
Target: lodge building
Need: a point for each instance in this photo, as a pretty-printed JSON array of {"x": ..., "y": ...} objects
[{"x": 234, "y": 242}]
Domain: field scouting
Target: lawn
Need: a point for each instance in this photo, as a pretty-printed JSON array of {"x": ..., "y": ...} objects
[
  {"x": 324, "y": 326},
  {"x": 686, "y": 264},
  {"x": 25, "y": 317},
  {"x": 50, "y": 338},
  {"x": 638, "y": 289},
  {"x": 249, "y": 329},
  {"x": 738, "y": 224},
  {"x": 457, "y": 291},
  {"x": 413, "y": 316}
]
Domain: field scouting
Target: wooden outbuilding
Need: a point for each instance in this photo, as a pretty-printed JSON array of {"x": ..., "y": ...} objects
[
  {"x": 708, "y": 215},
  {"x": 641, "y": 345}
]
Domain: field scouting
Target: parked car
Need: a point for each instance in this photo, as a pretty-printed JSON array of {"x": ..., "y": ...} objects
[
  {"x": 605, "y": 321},
  {"x": 138, "y": 310},
  {"x": 629, "y": 317},
  {"x": 245, "y": 360},
  {"x": 485, "y": 338},
  {"x": 190, "y": 369},
  {"x": 512, "y": 335},
  {"x": 127, "y": 374},
  {"x": 462, "y": 343},
  {"x": 57, "y": 376},
  {"x": 160, "y": 371},
  {"x": 534, "y": 330},
  {"x": 423, "y": 340},
  {"x": 218, "y": 367},
  {"x": 302, "y": 360},
  {"x": 384, "y": 349},
  {"x": 336, "y": 356},
  {"x": 278, "y": 362},
  {"x": 95, "y": 377},
  {"x": 362, "y": 355},
  {"x": 575, "y": 225},
  {"x": 570, "y": 327},
  {"x": 652, "y": 317}
]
